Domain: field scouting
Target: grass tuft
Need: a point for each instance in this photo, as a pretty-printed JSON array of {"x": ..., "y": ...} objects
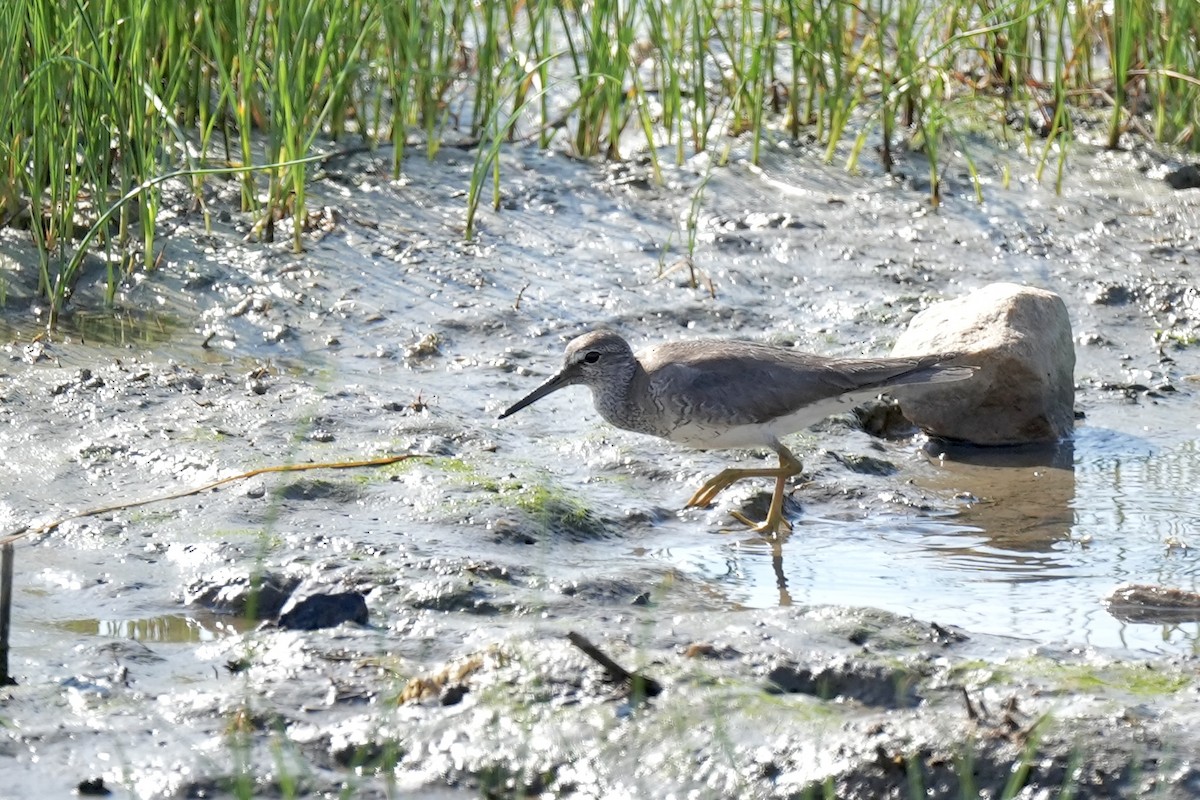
[{"x": 99, "y": 101}]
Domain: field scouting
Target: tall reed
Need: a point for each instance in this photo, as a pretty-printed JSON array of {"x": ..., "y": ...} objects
[{"x": 99, "y": 98}]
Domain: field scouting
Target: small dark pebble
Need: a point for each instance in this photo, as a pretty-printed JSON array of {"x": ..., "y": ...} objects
[
  {"x": 93, "y": 787},
  {"x": 453, "y": 695},
  {"x": 325, "y": 611}
]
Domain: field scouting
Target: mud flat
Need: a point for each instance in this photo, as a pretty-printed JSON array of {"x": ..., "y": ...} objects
[{"x": 934, "y": 626}]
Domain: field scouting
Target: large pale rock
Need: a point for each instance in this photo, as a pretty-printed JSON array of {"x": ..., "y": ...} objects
[{"x": 1024, "y": 388}]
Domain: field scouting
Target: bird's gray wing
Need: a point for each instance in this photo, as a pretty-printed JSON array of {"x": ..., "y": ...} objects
[{"x": 746, "y": 383}]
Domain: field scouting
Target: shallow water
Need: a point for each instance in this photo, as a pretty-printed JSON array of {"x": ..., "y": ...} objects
[{"x": 1033, "y": 557}]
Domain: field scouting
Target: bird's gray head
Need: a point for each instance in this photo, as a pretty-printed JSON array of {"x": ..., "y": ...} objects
[{"x": 595, "y": 359}]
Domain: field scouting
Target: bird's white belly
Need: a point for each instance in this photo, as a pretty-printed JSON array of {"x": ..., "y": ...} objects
[{"x": 707, "y": 435}]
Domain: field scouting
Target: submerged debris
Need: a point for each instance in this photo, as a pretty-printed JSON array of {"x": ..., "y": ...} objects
[{"x": 1154, "y": 604}]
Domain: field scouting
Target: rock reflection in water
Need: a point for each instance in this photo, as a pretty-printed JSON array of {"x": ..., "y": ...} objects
[{"x": 1020, "y": 500}]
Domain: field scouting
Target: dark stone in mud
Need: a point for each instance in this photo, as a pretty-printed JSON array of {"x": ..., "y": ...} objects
[
  {"x": 453, "y": 695},
  {"x": 241, "y": 594},
  {"x": 1186, "y": 177},
  {"x": 871, "y": 685},
  {"x": 93, "y": 787},
  {"x": 630, "y": 175},
  {"x": 325, "y": 611},
  {"x": 1111, "y": 294}
]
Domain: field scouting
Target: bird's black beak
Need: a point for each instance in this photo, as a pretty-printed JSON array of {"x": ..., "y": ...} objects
[{"x": 562, "y": 379}]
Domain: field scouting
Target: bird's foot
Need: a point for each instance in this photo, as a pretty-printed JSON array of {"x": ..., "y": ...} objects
[
  {"x": 711, "y": 488},
  {"x": 773, "y": 525}
]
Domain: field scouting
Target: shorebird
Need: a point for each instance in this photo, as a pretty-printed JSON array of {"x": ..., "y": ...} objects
[{"x": 718, "y": 393}]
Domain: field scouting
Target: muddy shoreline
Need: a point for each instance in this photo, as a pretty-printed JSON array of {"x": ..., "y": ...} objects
[{"x": 838, "y": 664}]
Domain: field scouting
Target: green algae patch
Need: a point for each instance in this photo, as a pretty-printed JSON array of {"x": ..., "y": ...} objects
[
  {"x": 548, "y": 505},
  {"x": 553, "y": 508},
  {"x": 1141, "y": 678}
]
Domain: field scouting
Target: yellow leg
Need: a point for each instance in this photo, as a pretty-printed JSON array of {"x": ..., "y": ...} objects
[
  {"x": 774, "y": 524},
  {"x": 726, "y": 478}
]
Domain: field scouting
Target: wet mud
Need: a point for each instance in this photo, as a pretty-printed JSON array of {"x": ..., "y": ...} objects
[{"x": 937, "y": 624}]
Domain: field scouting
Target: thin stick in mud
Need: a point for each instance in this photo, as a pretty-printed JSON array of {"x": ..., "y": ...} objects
[
  {"x": 6, "y": 579},
  {"x": 638, "y": 684}
]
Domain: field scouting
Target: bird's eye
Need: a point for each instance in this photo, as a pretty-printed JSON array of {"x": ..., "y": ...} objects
[{"x": 592, "y": 357}]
